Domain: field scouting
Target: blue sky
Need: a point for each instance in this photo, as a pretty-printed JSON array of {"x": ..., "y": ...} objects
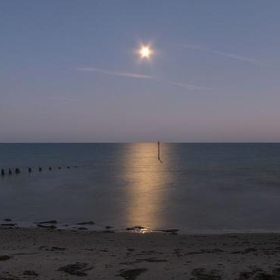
[{"x": 69, "y": 71}]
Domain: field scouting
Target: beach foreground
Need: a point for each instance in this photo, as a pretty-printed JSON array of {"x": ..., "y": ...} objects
[{"x": 61, "y": 254}]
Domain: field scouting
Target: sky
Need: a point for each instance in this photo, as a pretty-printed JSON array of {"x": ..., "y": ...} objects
[{"x": 70, "y": 71}]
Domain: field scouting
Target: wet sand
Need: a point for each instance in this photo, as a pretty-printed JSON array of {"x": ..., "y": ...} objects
[{"x": 60, "y": 254}]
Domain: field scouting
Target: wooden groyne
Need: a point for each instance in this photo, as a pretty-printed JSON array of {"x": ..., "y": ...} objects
[{"x": 17, "y": 170}]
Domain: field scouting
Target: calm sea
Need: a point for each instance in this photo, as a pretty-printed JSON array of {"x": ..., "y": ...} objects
[{"x": 197, "y": 188}]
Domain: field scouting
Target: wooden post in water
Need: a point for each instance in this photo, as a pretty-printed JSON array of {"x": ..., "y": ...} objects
[
  {"x": 2, "y": 172},
  {"x": 159, "y": 152}
]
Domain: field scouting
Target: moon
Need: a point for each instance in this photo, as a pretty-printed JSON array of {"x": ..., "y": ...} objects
[{"x": 145, "y": 52}]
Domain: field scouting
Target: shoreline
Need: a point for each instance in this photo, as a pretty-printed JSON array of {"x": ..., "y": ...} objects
[
  {"x": 96, "y": 227},
  {"x": 41, "y": 253}
]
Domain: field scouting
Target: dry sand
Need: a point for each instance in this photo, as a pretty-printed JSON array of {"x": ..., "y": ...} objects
[{"x": 59, "y": 254}]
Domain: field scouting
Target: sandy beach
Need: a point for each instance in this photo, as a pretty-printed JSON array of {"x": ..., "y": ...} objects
[{"x": 60, "y": 254}]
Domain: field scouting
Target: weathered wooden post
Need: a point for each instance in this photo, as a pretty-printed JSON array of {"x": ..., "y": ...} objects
[{"x": 2, "y": 172}]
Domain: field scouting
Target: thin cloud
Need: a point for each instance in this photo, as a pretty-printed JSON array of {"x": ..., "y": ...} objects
[
  {"x": 58, "y": 98},
  {"x": 230, "y": 55},
  {"x": 113, "y": 73},
  {"x": 139, "y": 76},
  {"x": 185, "y": 86}
]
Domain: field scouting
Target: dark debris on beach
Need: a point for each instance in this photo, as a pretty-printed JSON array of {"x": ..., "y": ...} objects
[
  {"x": 78, "y": 269},
  {"x": 131, "y": 274},
  {"x": 259, "y": 274},
  {"x": 30, "y": 273},
  {"x": 5, "y": 258},
  {"x": 206, "y": 274},
  {"x": 86, "y": 223}
]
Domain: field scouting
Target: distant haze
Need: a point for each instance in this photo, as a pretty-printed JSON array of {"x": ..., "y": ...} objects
[{"x": 70, "y": 71}]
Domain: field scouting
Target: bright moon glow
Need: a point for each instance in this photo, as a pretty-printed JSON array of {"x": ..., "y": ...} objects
[{"x": 145, "y": 52}]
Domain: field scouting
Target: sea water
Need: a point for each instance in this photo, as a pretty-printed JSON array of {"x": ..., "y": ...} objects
[{"x": 197, "y": 188}]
